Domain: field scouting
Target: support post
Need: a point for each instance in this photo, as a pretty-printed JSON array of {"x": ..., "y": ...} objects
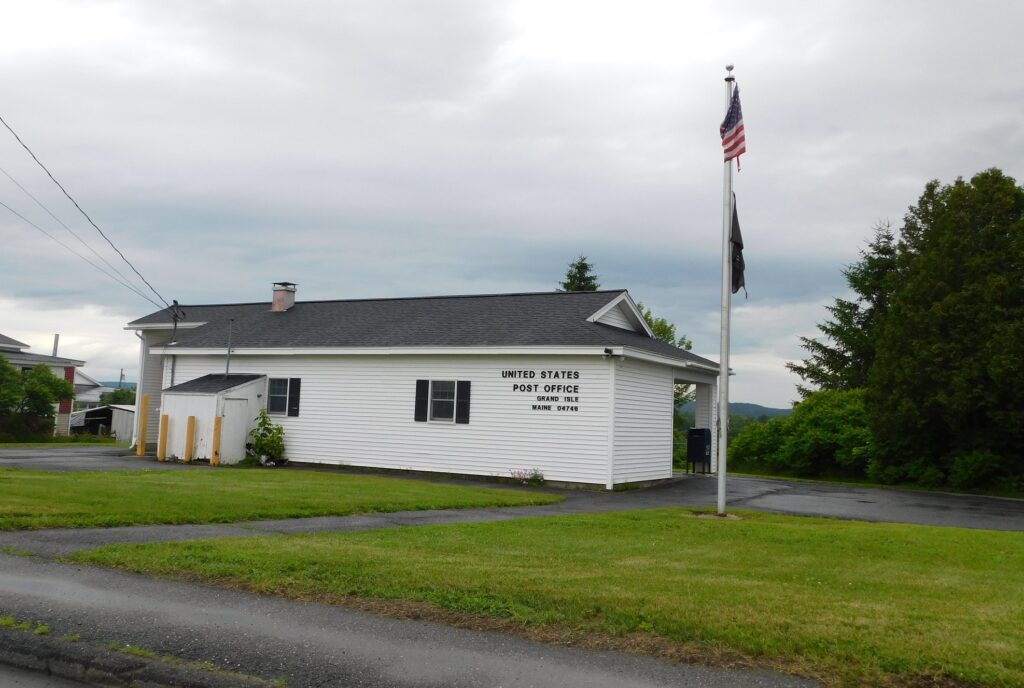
[
  {"x": 215, "y": 455},
  {"x": 161, "y": 447},
  {"x": 140, "y": 449},
  {"x": 190, "y": 439}
]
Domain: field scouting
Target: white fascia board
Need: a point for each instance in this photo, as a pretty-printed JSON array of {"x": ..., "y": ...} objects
[
  {"x": 87, "y": 379},
  {"x": 165, "y": 326},
  {"x": 26, "y": 358},
  {"x": 397, "y": 351},
  {"x": 699, "y": 368},
  {"x": 632, "y": 311},
  {"x": 637, "y": 315}
]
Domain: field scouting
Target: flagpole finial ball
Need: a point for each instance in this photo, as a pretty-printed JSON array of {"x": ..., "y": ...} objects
[{"x": 729, "y": 67}]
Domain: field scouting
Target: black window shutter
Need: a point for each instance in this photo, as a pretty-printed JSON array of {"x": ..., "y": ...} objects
[
  {"x": 294, "y": 385},
  {"x": 422, "y": 392},
  {"x": 462, "y": 401}
]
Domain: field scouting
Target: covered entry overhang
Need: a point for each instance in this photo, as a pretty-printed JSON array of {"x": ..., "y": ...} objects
[{"x": 703, "y": 379}]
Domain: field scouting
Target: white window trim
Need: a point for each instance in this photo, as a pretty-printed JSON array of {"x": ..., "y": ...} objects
[
  {"x": 430, "y": 403},
  {"x": 287, "y": 394}
]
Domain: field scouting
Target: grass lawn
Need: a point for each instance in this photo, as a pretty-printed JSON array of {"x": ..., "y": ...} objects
[
  {"x": 47, "y": 499},
  {"x": 847, "y": 602}
]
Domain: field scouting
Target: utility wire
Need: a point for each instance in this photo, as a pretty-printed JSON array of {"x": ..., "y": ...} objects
[
  {"x": 124, "y": 284},
  {"x": 61, "y": 223},
  {"x": 84, "y": 214}
]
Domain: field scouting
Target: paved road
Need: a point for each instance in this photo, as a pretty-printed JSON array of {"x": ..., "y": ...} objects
[
  {"x": 19, "y": 678},
  {"x": 317, "y": 645},
  {"x": 74, "y": 458}
]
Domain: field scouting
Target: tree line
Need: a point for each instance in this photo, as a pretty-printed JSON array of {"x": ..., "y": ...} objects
[{"x": 919, "y": 377}]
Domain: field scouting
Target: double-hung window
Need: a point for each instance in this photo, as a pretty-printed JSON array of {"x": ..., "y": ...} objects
[
  {"x": 444, "y": 401},
  {"x": 283, "y": 395}
]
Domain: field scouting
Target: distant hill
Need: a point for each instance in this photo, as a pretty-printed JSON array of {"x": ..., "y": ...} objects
[
  {"x": 113, "y": 384},
  {"x": 740, "y": 408}
]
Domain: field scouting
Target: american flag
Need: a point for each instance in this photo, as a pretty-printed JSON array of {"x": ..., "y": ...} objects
[{"x": 734, "y": 141}]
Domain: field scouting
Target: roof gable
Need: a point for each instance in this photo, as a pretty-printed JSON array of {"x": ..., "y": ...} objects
[{"x": 621, "y": 312}]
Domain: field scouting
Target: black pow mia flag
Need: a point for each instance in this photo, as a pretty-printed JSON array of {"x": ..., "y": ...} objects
[{"x": 736, "y": 246}]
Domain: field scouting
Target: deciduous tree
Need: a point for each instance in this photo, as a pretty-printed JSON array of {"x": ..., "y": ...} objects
[{"x": 118, "y": 396}]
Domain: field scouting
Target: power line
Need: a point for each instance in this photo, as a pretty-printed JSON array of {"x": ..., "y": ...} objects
[
  {"x": 61, "y": 223},
  {"x": 123, "y": 284},
  {"x": 84, "y": 214}
]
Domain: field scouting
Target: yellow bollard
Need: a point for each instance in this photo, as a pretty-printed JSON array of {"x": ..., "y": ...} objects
[
  {"x": 215, "y": 456},
  {"x": 161, "y": 449},
  {"x": 190, "y": 438},
  {"x": 140, "y": 449}
]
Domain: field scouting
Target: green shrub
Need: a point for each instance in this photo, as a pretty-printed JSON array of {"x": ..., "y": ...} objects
[
  {"x": 266, "y": 440},
  {"x": 974, "y": 469},
  {"x": 26, "y": 427},
  {"x": 827, "y": 434}
]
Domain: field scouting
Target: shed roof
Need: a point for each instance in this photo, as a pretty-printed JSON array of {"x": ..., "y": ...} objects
[
  {"x": 530, "y": 319},
  {"x": 211, "y": 384}
]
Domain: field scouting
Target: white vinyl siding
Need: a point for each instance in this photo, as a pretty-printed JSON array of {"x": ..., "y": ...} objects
[
  {"x": 151, "y": 382},
  {"x": 617, "y": 318},
  {"x": 643, "y": 422},
  {"x": 359, "y": 410}
]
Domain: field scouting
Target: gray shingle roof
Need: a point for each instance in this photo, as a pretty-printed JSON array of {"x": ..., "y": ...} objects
[
  {"x": 211, "y": 384},
  {"x": 536, "y": 319},
  {"x": 8, "y": 343}
]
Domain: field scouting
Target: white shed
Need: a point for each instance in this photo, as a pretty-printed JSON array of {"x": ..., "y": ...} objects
[
  {"x": 235, "y": 399},
  {"x": 116, "y": 420}
]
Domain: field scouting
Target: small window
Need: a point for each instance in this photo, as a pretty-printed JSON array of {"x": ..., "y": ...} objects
[
  {"x": 442, "y": 400},
  {"x": 283, "y": 395}
]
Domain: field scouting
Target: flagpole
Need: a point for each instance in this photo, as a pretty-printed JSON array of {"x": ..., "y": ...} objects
[{"x": 723, "y": 373}]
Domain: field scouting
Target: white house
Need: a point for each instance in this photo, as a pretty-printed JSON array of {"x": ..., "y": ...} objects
[
  {"x": 572, "y": 384},
  {"x": 64, "y": 368}
]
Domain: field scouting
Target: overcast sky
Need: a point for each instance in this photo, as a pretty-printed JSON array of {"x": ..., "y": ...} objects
[{"x": 384, "y": 149}]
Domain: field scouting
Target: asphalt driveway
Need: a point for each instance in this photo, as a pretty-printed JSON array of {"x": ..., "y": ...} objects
[{"x": 775, "y": 496}]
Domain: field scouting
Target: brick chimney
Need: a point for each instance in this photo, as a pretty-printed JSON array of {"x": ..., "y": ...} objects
[{"x": 284, "y": 296}]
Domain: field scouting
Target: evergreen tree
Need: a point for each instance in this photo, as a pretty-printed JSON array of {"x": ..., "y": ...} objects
[
  {"x": 580, "y": 276},
  {"x": 946, "y": 392},
  {"x": 843, "y": 359}
]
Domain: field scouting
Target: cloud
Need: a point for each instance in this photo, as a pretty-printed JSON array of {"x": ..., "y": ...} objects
[
  {"x": 87, "y": 332},
  {"x": 397, "y": 148}
]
